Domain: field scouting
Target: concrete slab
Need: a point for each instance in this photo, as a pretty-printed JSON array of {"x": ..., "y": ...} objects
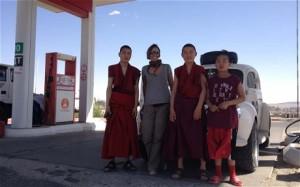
[
  {"x": 81, "y": 151},
  {"x": 48, "y": 130}
]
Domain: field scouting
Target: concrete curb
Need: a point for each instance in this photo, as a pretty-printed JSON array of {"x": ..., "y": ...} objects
[{"x": 49, "y": 130}]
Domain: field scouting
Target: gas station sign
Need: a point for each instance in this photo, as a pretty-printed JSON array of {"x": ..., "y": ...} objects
[
  {"x": 19, "y": 57},
  {"x": 19, "y": 48}
]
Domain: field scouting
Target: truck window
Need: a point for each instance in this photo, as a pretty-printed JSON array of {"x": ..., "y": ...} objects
[
  {"x": 3, "y": 73},
  {"x": 251, "y": 80},
  {"x": 211, "y": 72}
]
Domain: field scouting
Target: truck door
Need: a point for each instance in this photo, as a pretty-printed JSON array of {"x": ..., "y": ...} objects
[{"x": 253, "y": 92}]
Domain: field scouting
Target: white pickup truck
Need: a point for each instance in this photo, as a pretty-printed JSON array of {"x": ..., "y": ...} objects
[
  {"x": 254, "y": 114},
  {"x": 6, "y": 96}
]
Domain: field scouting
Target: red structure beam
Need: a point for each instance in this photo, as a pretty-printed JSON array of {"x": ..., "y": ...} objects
[{"x": 80, "y": 8}]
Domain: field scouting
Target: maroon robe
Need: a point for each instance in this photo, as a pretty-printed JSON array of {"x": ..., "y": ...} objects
[
  {"x": 185, "y": 137},
  {"x": 120, "y": 138}
]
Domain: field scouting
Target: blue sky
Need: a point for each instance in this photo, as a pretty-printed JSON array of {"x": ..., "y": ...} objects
[{"x": 262, "y": 33}]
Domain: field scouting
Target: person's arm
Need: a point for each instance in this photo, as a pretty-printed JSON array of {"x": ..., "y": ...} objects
[
  {"x": 170, "y": 77},
  {"x": 108, "y": 95},
  {"x": 198, "y": 109},
  {"x": 144, "y": 85},
  {"x": 211, "y": 107},
  {"x": 241, "y": 97},
  {"x": 172, "y": 102},
  {"x": 136, "y": 97},
  {"x": 144, "y": 80}
]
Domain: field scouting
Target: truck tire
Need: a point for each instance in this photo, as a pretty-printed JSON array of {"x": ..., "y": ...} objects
[
  {"x": 3, "y": 113},
  {"x": 37, "y": 114},
  {"x": 267, "y": 142},
  {"x": 247, "y": 157}
]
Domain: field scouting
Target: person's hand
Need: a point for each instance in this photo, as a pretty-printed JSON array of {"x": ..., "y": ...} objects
[
  {"x": 197, "y": 113},
  {"x": 172, "y": 116},
  {"x": 107, "y": 113},
  {"x": 224, "y": 105},
  {"x": 107, "y": 109},
  {"x": 134, "y": 112},
  {"x": 213, "y": 108}
]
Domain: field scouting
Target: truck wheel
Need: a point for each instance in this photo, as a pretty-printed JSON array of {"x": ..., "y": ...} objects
[
  {"x": 3, "y": 113},
  {"x": 247, "y": 157},
  {"x": 37, "y": 114},
  {"x": 267, "y": 142}
]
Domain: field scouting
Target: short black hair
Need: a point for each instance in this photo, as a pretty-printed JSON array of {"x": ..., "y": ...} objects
[
  {"x": 188, "y": 45},
  {"x": 224, "y": 53},
  {"x": 150, "y": 49},
  {"x": 125, "y": 47}
]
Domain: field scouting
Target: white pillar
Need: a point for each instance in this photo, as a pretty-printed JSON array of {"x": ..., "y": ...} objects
[
  {"x": 24, "y": 64},
  {"x": 87, "y": 67}
]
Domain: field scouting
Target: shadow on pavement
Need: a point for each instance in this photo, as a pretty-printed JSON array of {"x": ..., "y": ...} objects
[{"x": 289, "y": 177}]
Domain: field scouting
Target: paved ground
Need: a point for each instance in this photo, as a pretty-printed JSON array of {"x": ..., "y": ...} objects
[
  {"x": 73, "y": 160},
  {"x": 283, "y": 174}
]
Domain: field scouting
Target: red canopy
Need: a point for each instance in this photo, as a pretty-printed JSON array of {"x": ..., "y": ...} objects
[{"x": 80, "y": 8}]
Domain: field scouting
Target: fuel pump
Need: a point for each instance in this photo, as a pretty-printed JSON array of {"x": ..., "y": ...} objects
[{"x": 59, "y": 89}]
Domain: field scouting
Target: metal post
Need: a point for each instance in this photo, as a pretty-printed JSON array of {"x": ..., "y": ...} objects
[
  {"x": 24, "y": 64},
  {"x": 297, "y": 33},
  {"x": 87, "y": 57}
]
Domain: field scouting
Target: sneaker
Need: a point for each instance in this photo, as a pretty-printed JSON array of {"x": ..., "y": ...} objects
[
  {"x": 111, "y": 166},
  {"x": 178, "y": 173},
  {"x": 152, "y": 172},
  {"x": 129, "y": 166}
]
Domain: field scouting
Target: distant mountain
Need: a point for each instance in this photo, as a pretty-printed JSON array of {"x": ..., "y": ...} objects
[{"x": 285, "y": 105}]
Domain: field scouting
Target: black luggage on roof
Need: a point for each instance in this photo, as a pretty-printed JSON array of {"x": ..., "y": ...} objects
[{"x": 210, "y": 57}]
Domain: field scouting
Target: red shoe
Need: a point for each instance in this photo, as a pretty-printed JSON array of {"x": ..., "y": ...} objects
[
  {"x": 235, "y": 181},
  {"x": 215, "y": 180}
]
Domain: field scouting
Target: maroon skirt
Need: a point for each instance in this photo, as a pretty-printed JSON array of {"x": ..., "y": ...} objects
[
  {"x": 185, "y": 137},
  {"x": 120, "y": 137}
]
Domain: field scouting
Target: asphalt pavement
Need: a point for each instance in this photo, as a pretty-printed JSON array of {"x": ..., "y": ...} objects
[{"x": 74, "y": 160}]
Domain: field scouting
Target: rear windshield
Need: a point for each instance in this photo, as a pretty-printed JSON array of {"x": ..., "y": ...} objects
[{"x": 211, "y": 72}]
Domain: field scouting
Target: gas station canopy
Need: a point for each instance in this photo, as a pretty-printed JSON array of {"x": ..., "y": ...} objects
[
  {"x": 80, "y": 8},
  {"x": 22, "y": 108}
]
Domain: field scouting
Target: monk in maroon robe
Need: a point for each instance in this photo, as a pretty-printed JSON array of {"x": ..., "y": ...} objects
[
  {"x": 185, "y": 135},
  {"x": 120, "y": 138}
]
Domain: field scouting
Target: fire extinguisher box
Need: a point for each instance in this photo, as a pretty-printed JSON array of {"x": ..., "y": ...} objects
[{"x": 59, "y": 89}]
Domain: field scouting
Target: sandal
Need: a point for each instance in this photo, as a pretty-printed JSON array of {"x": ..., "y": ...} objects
[
  {"x": 110, "y": 166},
  {"x": 215, "y": 180},
  {"x": 178, "y": 173},
  {"x": 235, "y": 181},
  {"x": 204, "y": 175},
  {"x": 129, "y": 166}
]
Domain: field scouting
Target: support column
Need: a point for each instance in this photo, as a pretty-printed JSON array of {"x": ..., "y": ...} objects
[
  {"x": 24, "y": 64},
  {"x": 87, "y": 67}
]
